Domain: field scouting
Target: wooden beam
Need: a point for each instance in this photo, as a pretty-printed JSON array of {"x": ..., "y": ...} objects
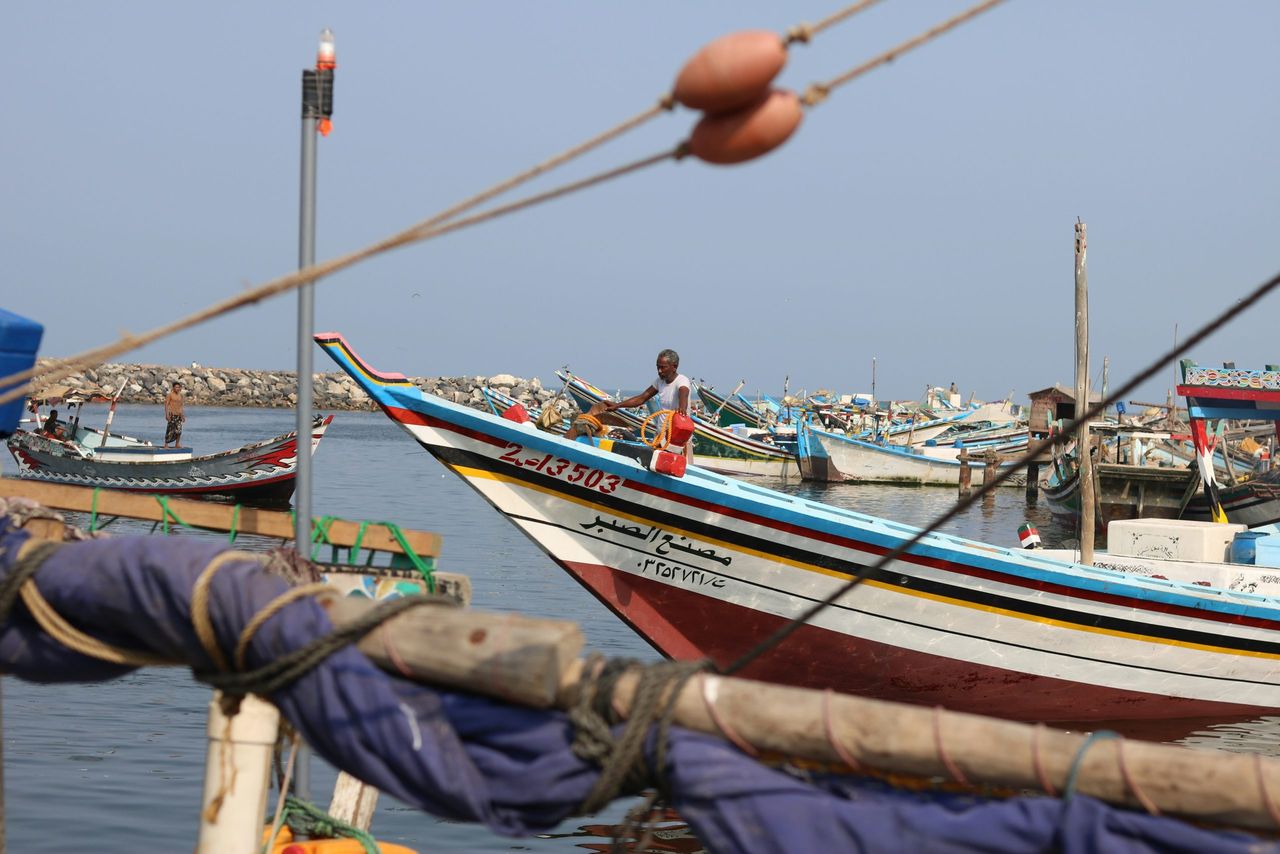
[{"x": 212, "y": 516}]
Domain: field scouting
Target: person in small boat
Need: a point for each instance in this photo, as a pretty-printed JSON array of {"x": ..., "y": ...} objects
[
  {"x": 672, "y": 389},
  {"x": 52, "y": 428},
  {"x": 173, "y": 416}
]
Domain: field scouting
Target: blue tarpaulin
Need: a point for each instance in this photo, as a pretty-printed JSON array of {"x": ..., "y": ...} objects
[{"x": 467, "y": 758}]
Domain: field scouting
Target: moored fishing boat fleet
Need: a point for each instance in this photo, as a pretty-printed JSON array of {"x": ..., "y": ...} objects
[{"x": 905, "y": 662}]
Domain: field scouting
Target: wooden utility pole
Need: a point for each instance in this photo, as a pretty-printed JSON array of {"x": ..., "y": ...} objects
[{"x": 1083, "y": 451}]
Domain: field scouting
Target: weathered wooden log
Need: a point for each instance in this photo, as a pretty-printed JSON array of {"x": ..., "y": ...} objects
[
  {"x": 1226, "y": 788},
  {"x": 513, "y": 658}
]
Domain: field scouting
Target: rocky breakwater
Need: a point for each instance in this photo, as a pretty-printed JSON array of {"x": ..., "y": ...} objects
[{"x": 332, "y": 391}]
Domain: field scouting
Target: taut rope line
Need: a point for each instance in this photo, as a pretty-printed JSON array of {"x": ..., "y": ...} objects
[
  {"x": 444, "y": 222},
  {"x": 818, "y": 92},
  {"x": 805, "y": 32},
  {"x": 289, "y": 282}
]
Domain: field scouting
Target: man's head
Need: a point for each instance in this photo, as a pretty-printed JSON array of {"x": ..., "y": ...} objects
[
  {"x": 177, "y": 386},
  {"x": 668, "y": 365}
]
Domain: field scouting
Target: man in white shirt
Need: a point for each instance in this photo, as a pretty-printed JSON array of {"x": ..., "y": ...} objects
[{"x": 672, "y": 389}]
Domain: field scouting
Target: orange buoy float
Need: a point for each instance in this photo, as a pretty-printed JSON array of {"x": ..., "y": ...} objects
[
  {"x": 747, "y": 133},
  {"x": 286, "y": 844},
  {"x": 730, "y": 72}
]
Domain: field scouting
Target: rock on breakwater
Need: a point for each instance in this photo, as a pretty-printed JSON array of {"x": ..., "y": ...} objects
[{"x": 332, "y": 391}]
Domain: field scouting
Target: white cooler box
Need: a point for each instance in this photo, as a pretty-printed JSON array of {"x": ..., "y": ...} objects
[{"x": 1171, "y": 539}]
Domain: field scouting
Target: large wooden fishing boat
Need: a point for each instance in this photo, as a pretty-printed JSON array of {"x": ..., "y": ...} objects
[{"x": 709, "y": 566}]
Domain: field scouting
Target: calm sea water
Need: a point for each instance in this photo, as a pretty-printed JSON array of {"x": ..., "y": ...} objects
[{"x": 119, "y": 765}]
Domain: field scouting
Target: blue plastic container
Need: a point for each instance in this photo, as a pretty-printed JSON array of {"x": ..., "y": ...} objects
[
  {"x": 19, "y": 343},
  {"x": 1244, "y": 546},
  {"x": 1267, "y": 551}
]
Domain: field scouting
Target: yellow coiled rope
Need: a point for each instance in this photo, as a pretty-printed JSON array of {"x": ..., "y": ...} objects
[{"x": 664, "y": 433}]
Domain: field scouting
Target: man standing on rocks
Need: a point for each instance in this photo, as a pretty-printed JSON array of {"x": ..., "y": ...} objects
[{"x": 173, "y": 416}]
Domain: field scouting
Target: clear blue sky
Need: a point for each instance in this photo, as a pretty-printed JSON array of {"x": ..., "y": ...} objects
[{"x": 922, "y": 216}]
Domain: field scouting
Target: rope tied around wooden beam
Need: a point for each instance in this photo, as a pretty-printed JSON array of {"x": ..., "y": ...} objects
[
  {"x": 828, "y": 729},
  {"x": 623, "y": 769},
  {"x": 1108, "y": 735},
  {"x": 1037, "y": 761},
  {"x": 947, "y": 762},
  {"x": 293, "y": 665},
  {"x": 710, "y": 693}
]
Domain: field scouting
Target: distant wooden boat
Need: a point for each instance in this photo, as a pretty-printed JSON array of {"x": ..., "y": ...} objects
[
  {"x": 1007, "y": 441},
  {"x": 1158, "y": 481},
  {"x": 259, "y": 472},
  {"x": 726, "y": 411},
  {"x": 1128, "y": 491},
  {"x": 848, "y": 459},
  {"x": 708, "y": 566}
]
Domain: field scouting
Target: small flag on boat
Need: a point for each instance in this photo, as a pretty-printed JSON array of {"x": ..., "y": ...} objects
[
  {"x": 1028, "y": 536},
  {"x": 517, "y": 413}
]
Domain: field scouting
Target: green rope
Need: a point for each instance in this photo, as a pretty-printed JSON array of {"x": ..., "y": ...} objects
[
  {"x": 417, "y": 562},
  {"x": 355, "y": 547},
  {"x": 320, "y": 534},
  {"x": 93, "y": 510},
  {"x": 235, "y": 521},
  {"x": 309, "y": 820},
  {"x": 168, "y": 513},
  {"x": 1099, "y": 735}
]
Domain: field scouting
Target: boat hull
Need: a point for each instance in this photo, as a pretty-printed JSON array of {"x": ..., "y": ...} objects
[
  {"x": 1147, "y": 492},
  {"x": 726, "y": 412},
  {"x": 704, "y": 566},
  {"x": 866, "y": 462},
  {"x": 261, "y": 472}
]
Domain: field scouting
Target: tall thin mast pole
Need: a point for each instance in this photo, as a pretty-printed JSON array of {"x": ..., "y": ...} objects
[
  {"x": 1082, "y": 397},
  {"x": 317, "y": 107}
]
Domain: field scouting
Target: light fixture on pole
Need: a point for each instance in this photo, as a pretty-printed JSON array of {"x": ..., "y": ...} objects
[{"x": 317, "y": 107}]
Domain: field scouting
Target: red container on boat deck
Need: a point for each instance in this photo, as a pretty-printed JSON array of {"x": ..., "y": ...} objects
[
  {"x": 517, "y": 413},
  {"x": 665, "y": 462},
  {"x": 681, "y": 429}
]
